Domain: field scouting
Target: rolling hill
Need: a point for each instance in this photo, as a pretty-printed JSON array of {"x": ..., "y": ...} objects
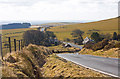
[
  {"x": 15, "y": 25},
  {"x": 104, "y": 26}
]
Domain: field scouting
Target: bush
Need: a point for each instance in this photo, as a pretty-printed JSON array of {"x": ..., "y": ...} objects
[
  {"x": 115, "y": 37},
  {"x": 38, "y": 38},
  {"x": 67, "y": 40},
  {"x": 78, "y": 41},
  {"x": 89, "y": 45},
  {"x": 99, "y": 45},
  {"x": 109, "y": 46},
  {"x": 118, "y": 37},
  {"x": 106, "y": 36},
  {"x": 78, "y": 34},
  {"x": 105, "y": 45},
  {"x": 96, "y": 37},
  {"x": 117, "y": 45}
]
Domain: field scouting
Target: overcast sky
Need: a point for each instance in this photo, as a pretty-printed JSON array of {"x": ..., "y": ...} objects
[{"x": 39, "y": 10}]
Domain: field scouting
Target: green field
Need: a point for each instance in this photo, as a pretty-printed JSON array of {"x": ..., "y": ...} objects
[{"x": 104, "y": 26}]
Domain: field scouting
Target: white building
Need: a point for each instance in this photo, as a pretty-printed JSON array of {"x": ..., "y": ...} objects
[{"x": 86, "y": 40}]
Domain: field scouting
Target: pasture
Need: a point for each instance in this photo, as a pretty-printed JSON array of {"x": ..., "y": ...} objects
[
  {"x": 104, "y": 26},
  {"x": 13, "y": 34}
]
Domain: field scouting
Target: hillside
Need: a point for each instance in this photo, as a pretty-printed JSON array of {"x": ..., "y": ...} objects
[
  {"x": 16, "y": 25},
  {"x": 104, "y": 26}
]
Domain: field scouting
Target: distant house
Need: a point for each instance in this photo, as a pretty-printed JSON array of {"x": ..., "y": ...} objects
[
  {"x": 68, "y": 45},
  {"x": 42, "y": 29},
  {"x": 36, "y": 26},
  {"x": 86, "y": 40}
]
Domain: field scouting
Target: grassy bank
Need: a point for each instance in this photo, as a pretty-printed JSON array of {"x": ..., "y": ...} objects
[
  {"x": 38, "y": 61},
  {"x": 25, "y": 63},
  {"x": 57, "y": 67},
  {"x": 111, "y": 53},
  {"x": 61, "y": 49}
]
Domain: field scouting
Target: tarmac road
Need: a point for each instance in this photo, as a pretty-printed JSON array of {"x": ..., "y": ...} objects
[{"x": 107, "y": 66}]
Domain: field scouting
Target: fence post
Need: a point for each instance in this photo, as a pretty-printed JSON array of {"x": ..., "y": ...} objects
[
  {"x": 9, "y": 44},
  {"x": 1, "y": 46},
  {"x": 19, "y": 44},
  {"x": 15, "y": 44}
]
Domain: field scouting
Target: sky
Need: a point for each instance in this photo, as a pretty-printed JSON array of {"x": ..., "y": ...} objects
[{"x": 41, "y": 10}]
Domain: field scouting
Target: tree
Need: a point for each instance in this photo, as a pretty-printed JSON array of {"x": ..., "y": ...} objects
[
  {"x": 50, "y": 34},
  {"x": 118, "y": 37},
  {"x": 115, "y": 36},
  {"x": 39, "y": 28},
  {"x": 106, "y": 36},
  {"x": 78, "y": 41},
  {"x": 96, "y": 37},
  {"x": 78, "y": 34},
  {"x": 37, "y": 37},
  {"x": 67, "y": 40}
]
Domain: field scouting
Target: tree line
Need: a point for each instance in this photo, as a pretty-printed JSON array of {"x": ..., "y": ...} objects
[
  {"x": 78, "y": 36},
  {"x": 39, "y": 38}
]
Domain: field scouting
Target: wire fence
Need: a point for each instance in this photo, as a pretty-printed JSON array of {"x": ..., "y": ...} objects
[{"x": 10, "y": 44}]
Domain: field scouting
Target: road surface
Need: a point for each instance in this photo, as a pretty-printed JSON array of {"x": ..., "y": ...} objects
[{"x": 107, "y": 66}]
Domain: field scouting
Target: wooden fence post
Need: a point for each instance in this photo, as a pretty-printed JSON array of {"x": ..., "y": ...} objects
[
  {"x": 1, "y": 46},
  {"x": 9, "y": 44},
  {"x": 19, "y": 44},
  {"x": 23, "y": 43},
  {"x": 15, "y": 44}
]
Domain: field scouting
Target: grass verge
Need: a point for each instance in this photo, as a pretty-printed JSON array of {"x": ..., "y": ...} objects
[
  {"x": 57, "y": 67},
  {"x": 111, "y": 53}
]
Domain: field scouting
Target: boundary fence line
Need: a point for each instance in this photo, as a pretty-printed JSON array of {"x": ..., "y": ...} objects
[{"x": 7, "y": 45}]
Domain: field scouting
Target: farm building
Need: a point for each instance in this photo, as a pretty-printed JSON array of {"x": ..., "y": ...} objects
[{"x": 86, "y": 40}]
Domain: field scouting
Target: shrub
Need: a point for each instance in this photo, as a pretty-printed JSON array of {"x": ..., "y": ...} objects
[
  {"x": 67, "y": 40},
  {"x": 115, "y": 37},
  {"x": 89, "y": 45},
  {"x": 117, "y": 45},
  {"x": 96, "y": 37},
  {"x": 106, "y": 36},
  {"x": 112, "y": 44},
  {"x": 109, "y": 46},
  {"x": 78, "y": 41},
  {"x": 78, "y": 34},
  {"x": 118, "y": 37},
  {"x": 38, "y": 38},
  {"x": 99, "y": 45}
]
